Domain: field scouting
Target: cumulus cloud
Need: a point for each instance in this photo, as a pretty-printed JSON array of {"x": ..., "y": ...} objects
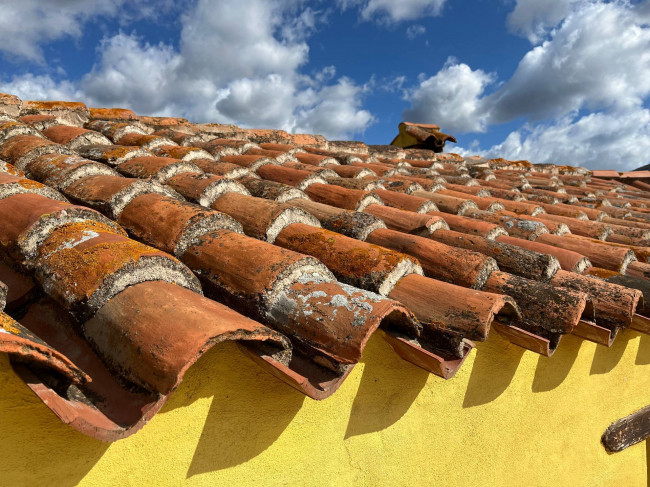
[
  {"x": 453, "y": 97},
  {"x": 25, "y": 25},
  {"x": 415, "y": 30},
  {"x": 224, "y": 69},
  {"x": 596, "y": 58},
  {"x": 533, "y": 19},
  {"x": 392, "y": 11},
  {"x": 596, "y": 141}
]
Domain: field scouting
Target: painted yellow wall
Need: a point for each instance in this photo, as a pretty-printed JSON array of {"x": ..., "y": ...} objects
[{"x": 509, "y": 417}]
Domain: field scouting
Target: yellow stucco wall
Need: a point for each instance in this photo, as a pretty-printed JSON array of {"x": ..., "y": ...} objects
[{"x": 509, "y": 417}]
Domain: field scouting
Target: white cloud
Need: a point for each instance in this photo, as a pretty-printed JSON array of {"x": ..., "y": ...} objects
[
  {"x": 394, "y": 11},
  {"x": 597, "y": 59},
  {"x": 451, "y": 97},
  {"x": 238, "y": 61},
  {"x": 534, "y": 18},
  {"x": 412, "y": 31},
  {"x": 27, "y": 24},
  {"x": 597, "y": 141}
]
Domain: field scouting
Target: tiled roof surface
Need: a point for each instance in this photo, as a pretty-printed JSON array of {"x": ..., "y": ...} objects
[{"x": 130, "y": 245}]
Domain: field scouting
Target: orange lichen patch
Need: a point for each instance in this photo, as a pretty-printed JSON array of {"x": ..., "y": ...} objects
[
  {"x": 307, "y": 139},
  {"x": 10, "y": 169},
  {"x": 8, "y": 324},
  {"x": 36, "y": 119},
  {"x": 76, "y": 260},
  {"x": 600, "y": 272},
  {"x": 181, "y": 152},
  {"x": 267, "y": 135},
  {"x": 33, "y": 106},
  {"x": 112, "y": 114},
  {"x": 163, "y": 121}
]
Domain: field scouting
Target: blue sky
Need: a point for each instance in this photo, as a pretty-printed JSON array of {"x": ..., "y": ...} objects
[{"x": 562, "y": 81}]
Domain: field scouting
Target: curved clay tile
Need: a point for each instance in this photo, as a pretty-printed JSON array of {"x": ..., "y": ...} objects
[
  {"x": 443, "y": 307},
  {"x": 510, "y": 258},
  {"x": 289, "y": 176},
  {"x": 110, "y": 194},
  {"x": 144, "y": 141},
  {"x": 638, "y": 269},
  {"x": 354, "y": 224},
  {"x": 585, "y": 228},
  {"x": 115, "y": 131},
  {"x": 528, "y": 229},
  {"x": 60, "y": 171},
  {"x": 28, "y": 219},
  {"x": 74, "y": 137},
  {"x": 276, "y": 155},
  {"x": 20, "y": 150},
  {"x": 10, "y": 128},
  {"x": 224, "y": 169},
  {"x": 407, "y": 221},
  {"x": 181, "y": 152},
  {"x": 227, "y": 147},
  {"x": 405, "y": 201},
  {"x": 113, "y": 155},
  {"x": 260, "y": 218},
  {"x": 439, "y": 261},
  {"x": 600, "y": 254},
  {"x": 353, "y": 262},
  {"x": 108, "y": 407},
  {"x": 483, "y": 203},
  {"x": 316, "y": 159},
  {"x": 349, "y": 199},
  {"x": 159, "y": 169},
  {"x": 449, "y": 204},
  {"x": 547, "y": 311},
  {"x": 614, "y": 305},
  {"x": 83, "y": 265},
  {"x": 117, "y": 114},
  {"x": 248, "y": 161},
  {"x": 365, "y": 184},
  {"x": 471, "y": 226},
  {"x": 73, "y": 113},
  {"x": 171, "y": 225},
  {"x": 568, "y": 259},
  {"x": 26, "y": 348},
  {"x": 270, "y": 190},
  {"x": 12, "y": 185}
]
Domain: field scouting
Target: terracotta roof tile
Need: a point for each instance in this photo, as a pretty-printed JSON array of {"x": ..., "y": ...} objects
[{"x": 316, "y": 243}]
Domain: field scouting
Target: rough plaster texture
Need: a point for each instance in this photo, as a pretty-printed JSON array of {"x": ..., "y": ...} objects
[{"x": 509, "y": 417}]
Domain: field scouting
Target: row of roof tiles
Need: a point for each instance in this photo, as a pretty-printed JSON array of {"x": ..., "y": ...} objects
[{"x": 133, "y": 244}]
